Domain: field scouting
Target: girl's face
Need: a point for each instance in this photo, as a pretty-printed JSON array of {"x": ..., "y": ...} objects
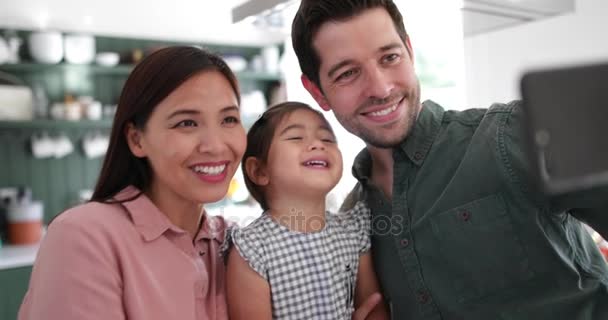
[
  {"x": 193, "y": 141},
  {"x": 303, "y": 157}
]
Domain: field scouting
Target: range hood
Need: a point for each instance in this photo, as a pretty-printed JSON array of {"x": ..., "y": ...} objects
[{"x": 478, "y": 16}]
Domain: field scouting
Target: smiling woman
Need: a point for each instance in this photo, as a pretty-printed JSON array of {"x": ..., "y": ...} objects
[{"x": 144, "y": 248}]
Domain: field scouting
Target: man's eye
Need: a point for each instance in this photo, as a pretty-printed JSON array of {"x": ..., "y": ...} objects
[
  {"x": 348, "y": 74},
  {"x": 186, "y": 123},
  {"x": 391, "y": 57}
]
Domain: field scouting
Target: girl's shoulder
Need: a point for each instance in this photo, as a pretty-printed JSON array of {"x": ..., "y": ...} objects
[{"x": 359, "y": 212}]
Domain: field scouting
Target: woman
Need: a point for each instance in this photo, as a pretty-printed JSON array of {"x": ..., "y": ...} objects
[{"x": 143, "y": 248}]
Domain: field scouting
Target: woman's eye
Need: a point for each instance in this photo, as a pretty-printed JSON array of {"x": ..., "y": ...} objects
[
  {"x": 294, "y": 138},
  {"x": 329, "y": 140},
  {"x": 186, "y": 123},
  {"x": 231, "y": 120}
]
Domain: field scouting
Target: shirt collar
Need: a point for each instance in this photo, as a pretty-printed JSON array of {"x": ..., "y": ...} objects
[
  {"x": 212, "y": 227},
  {"x": 416, "y": 146},
  {"x": 418, "y": 143},
  {"x": 152, "y": 223}
]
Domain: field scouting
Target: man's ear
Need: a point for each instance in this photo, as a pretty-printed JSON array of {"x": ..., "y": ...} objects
[
  {"x": 315, "y": 92},
  {"x": 133, "y": 136},
  {"x": 256, "y": 171},
  {"x": 408, "y": 46}
]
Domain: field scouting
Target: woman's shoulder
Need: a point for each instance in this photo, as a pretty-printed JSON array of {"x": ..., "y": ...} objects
[{"x": 92, "y": 216}]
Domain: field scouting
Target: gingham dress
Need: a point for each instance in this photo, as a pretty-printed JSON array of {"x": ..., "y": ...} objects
[{"x": 311, "y": 275}]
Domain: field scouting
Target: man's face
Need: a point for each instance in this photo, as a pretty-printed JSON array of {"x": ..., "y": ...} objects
[{"x": 367, "y": 78}]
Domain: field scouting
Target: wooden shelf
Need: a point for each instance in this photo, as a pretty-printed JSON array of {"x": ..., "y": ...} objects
[
  {"x": 121, "y": 69},
  {"x": 42, "y": 124}
]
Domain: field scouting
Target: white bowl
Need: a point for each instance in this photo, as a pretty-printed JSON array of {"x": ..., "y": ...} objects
[
  {"x": 46, "y": 46},
  {"x": 108, "y": 59},
  {"x": 79, "y": 48}
]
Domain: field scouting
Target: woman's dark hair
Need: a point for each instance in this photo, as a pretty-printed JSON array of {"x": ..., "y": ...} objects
[
  {"x": 312, "y": 14},
  {"x": 259, "y": 139},
  {"x": 150, "y": 82}
]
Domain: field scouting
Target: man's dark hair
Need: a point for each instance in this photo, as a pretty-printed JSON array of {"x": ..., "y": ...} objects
[{"x": 312, "y": 14}]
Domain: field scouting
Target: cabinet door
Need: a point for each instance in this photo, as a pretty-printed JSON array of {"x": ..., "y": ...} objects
[{"x": 14, "y": 285}]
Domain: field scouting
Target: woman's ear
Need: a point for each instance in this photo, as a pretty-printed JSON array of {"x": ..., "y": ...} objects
[
  {"x": 133, "y": 136},
  {"x": 256, "y": 171}
]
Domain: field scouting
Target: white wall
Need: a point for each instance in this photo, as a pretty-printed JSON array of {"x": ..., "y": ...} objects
[
  {"x": 495, "y": 61},
  {"x": 188, "y": 20}
]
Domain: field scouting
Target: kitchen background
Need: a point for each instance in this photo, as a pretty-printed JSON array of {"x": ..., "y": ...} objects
[{"x": 63, "y": 64}]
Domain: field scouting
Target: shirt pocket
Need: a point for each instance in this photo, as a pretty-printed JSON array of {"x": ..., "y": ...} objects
[{"x": 480, "y": 249}]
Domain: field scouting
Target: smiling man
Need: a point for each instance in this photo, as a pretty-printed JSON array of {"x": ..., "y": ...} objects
[{"x": 457, "y": 233}]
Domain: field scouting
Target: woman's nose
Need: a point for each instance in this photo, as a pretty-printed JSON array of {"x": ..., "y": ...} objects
[{"x": 211, "y": 142}]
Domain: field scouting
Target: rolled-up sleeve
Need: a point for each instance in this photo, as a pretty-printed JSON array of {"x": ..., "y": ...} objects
[
  {"x": 589, "y": 206},
  {"x": 76, "y": 276}
]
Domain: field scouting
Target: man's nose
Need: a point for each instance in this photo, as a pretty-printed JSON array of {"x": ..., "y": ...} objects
[{"x": 379, "y": 85}]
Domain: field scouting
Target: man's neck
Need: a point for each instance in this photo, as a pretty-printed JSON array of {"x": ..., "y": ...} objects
[{"x": 382, "y": 169}]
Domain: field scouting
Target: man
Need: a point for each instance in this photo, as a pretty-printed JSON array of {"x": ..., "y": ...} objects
[{"x": 457, "y": 232}]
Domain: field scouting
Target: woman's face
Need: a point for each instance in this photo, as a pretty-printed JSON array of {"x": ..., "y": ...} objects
[{"x": 193, "y": 141}]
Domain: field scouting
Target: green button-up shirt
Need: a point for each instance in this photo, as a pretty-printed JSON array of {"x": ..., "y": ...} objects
[{"x": 464, "y": 236}]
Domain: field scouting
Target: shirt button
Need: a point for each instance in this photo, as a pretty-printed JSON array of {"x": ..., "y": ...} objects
[
  {"x": 465, "y": 215},
  {"x": 404, "y": 242},
  {"x": 418, "y": 155},
  {"x": 423, "y": 297}
]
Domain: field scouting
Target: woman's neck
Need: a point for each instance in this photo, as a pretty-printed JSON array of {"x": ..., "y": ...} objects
[
  {"x": 299, "y": 214},
  {"x": 184, "y": 214}
]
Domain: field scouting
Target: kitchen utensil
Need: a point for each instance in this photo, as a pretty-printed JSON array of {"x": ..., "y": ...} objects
[
  {"x": 79, "y": 48},
  {"x": 46, "y": 46},
  {"x": 16, "y": 103},
  {"x": 108, "y": 59}
]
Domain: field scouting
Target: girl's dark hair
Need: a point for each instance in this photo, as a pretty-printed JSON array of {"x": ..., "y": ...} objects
[
  {"x": 259, "y": 139},
  {"x": 152, "y": 80},
  {"x": 312, "y": 14}
]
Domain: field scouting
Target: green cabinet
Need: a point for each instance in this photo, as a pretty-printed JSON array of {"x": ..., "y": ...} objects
[
  {"x": 13, "y": 285},
  {"x": 57, "y": 182}
]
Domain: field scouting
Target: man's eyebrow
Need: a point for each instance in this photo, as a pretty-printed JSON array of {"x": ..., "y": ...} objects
[
  {"x": 390, "y": 46},
  {"x": 346, "y": 62}
]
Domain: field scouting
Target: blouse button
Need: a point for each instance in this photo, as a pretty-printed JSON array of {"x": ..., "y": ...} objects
[{"x": 405, "y": 242}]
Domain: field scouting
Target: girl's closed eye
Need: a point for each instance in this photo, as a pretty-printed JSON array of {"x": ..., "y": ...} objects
[{"x": 294, "y": 138}]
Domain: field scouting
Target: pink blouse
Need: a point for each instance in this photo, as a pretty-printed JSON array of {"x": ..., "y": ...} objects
[{"x": 112, "y": 261}]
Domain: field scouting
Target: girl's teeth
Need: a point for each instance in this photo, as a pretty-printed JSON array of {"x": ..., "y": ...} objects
[
  {"x": 317, "y": 163},
  {"x": 214, "y": 170},
  {"x": 384, "y": 112}
]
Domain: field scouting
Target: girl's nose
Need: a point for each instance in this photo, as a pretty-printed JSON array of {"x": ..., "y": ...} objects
[{"x": 316, "y": 144}]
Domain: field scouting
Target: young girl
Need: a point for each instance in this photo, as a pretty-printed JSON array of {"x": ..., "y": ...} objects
[
  {"x": 143, "y": 248},
  {"x": 296, "y": 261}
]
